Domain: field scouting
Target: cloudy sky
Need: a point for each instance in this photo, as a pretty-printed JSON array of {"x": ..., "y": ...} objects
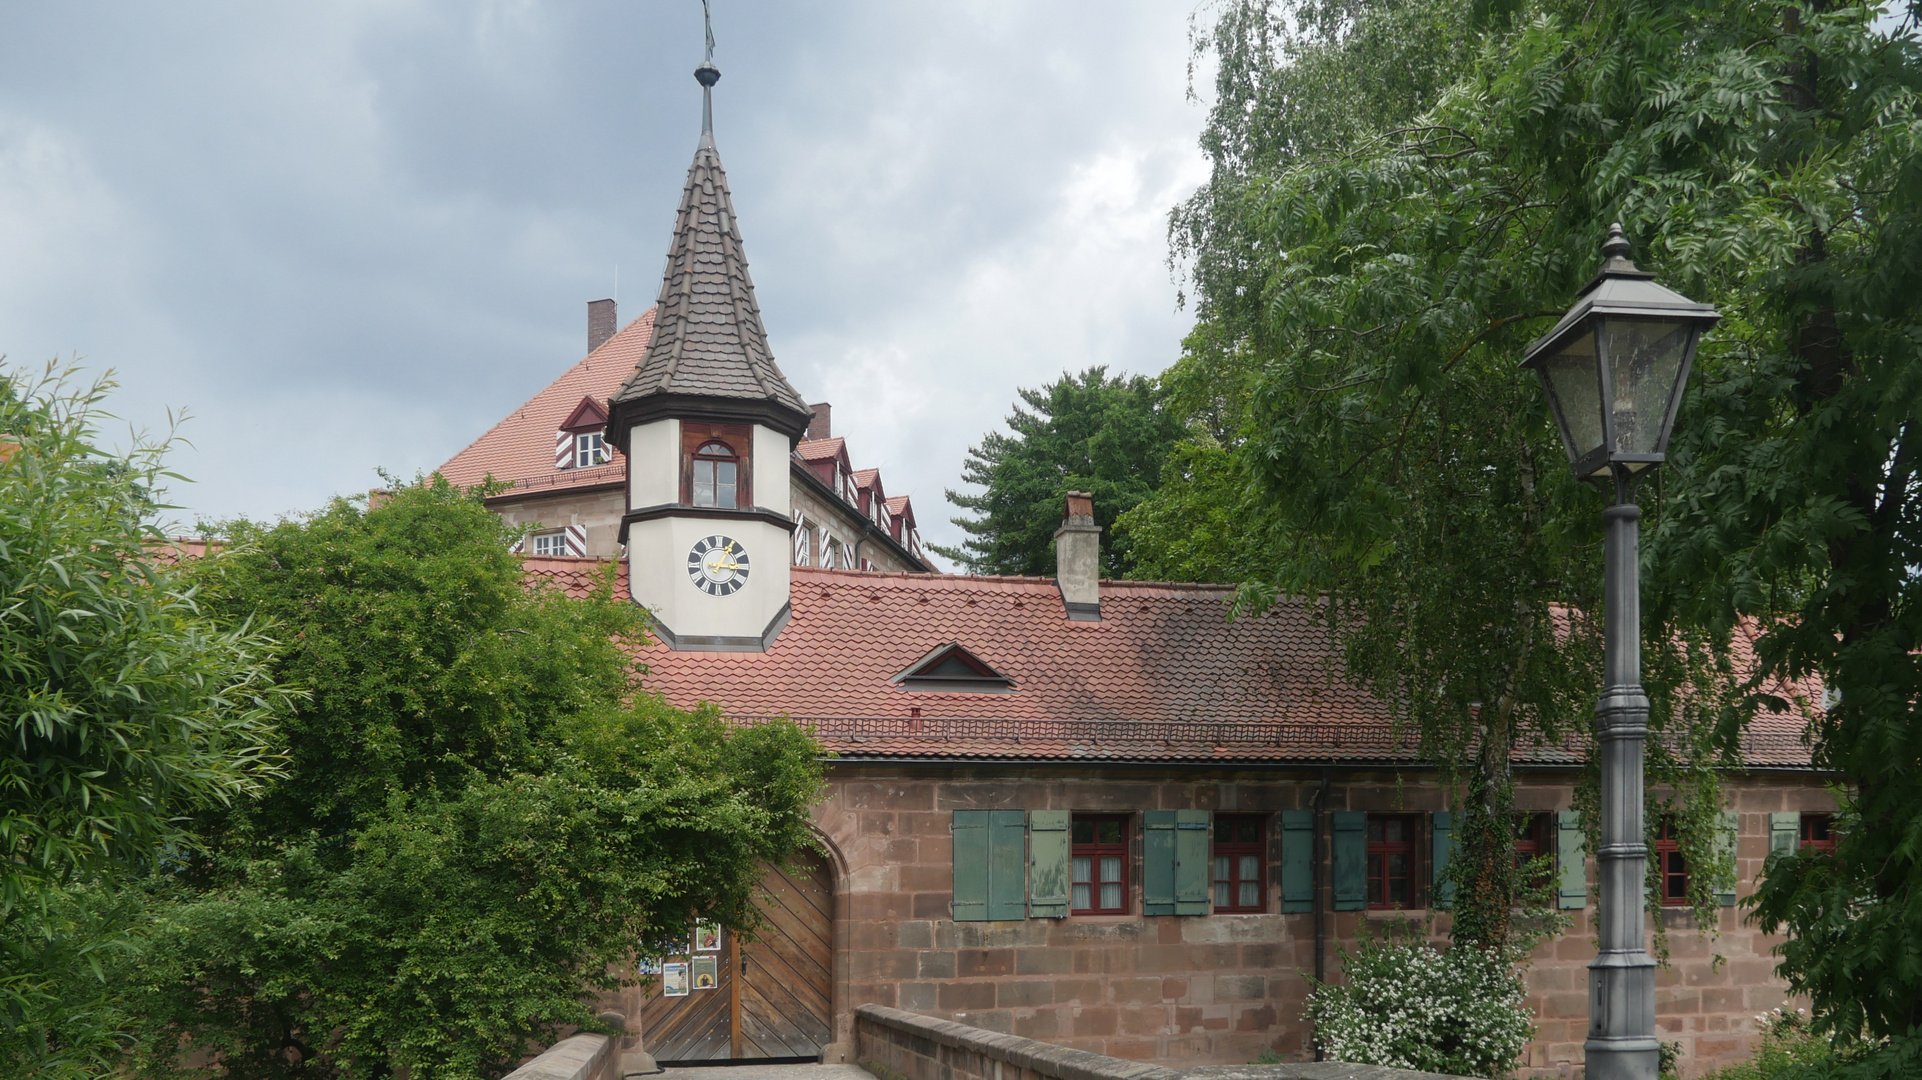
[{"x": 351, "y": 235}]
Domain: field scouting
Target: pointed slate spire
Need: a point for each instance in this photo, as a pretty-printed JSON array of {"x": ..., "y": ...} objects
[{"x": 709, "y": 356}]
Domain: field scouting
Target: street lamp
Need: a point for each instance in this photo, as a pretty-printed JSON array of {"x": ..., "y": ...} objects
[{"x": 1613, "y": 369}]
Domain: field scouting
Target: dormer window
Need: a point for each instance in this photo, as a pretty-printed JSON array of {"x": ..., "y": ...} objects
[
  {"x": 579, "y": 443},
  {"x": 952, "y": 668},
  {"x": 714, "y": 466},
  {"x": 716, "y": 475}
]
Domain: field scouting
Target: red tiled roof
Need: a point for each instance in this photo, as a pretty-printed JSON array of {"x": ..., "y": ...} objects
[
  {"x": 821, "y": 449},
  {"x": 1164, "y": 675},
  {"x": 866, "y": 477},
  {"x": 897, "y": 504},
  {"x": 520, "y": 448}
]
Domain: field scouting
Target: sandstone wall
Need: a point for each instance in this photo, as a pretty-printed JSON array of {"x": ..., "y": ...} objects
[{"x": 1214, "y": 989}]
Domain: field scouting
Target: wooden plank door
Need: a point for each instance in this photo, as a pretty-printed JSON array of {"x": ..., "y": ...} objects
[
  {"x": 787, "y": 985},
  {"x": 776, "y": 1004},
  {"x": 698, "y": 1026}
]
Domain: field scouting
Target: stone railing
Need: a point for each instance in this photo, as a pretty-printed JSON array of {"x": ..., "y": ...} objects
[
  {"x": 897, "y": 1045},
  {"x": 587, "y": 1057}
]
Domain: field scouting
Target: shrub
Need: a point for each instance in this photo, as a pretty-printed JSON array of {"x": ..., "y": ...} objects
[{"x": 1408, "y": 1005}]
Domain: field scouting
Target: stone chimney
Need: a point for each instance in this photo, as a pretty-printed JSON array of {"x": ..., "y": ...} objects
[
  {"x": 820, "y": 427},
  {"x": 601, "y": 323},
  {"x": 1077, "y": 559}
]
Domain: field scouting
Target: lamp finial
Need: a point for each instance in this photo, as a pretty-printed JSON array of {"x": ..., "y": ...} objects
[{"x": 1616, "y": 249}]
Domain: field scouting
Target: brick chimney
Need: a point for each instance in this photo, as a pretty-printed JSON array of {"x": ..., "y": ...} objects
[
  {"x": 601, "y": 323},
  {"x": 1077, "y": 559},
  {"x": 820, "y": 427}
]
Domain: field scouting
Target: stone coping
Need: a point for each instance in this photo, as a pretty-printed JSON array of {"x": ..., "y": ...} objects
[
  {"x": 1043, "y": 1058},
  {"x": 577, "y": 1057},
  {"x": 1049, "y": 1060}
]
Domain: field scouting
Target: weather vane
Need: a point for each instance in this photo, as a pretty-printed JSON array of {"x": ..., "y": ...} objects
[{"x": 707, "y": 75}]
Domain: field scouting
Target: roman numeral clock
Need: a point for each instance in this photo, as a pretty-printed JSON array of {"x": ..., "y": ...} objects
[{"x": 718, "y": 565}]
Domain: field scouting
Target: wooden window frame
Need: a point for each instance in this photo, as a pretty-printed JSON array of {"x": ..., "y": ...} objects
[
  {"x": 1802, "y": 841},
  {"x": 1379, "y": 854},
  {"x": 738, "y": 438},
  {"x": 551, "y": 539},
  {"x": 1668, "y": 843},
  {"x": 1095, "y": 852},
  {"x": 590, "y": 449},
  {"x": 1234, "y": 851}
]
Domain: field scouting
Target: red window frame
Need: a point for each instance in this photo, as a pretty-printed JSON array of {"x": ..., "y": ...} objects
[
  {"x": 1102, "y": 840},
  {"x": 1392, "y": 837},
  {"x": 1535, "y": 837},
  {"x": 1240, "y": 864},
  {"x": 1817, "y": 832},
  {"x": 1671, "y": 864}
]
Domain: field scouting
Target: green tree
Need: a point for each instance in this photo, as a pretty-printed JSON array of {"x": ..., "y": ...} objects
[
  {"x": 126, "y": 708},
  {"x": 1088, "y": 432},
  {"x": 1364, "y": 304},
  {"x": 485, "y": 815}
]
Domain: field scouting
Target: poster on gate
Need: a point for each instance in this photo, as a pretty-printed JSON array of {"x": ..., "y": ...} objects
[
  {"x": 674, "y": 979},
  {"x": 707, "y": 972}
]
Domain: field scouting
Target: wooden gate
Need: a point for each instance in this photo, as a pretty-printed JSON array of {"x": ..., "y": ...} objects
[{"x": 773, "y": 998}]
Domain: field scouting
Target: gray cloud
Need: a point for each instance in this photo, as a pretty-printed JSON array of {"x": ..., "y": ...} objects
[{"x": 353, "y": 235}]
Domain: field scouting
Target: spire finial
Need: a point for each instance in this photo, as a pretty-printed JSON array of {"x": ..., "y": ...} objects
[{"x": 707, "y": 75}]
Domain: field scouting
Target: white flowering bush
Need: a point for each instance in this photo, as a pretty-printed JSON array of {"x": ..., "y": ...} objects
[{"x": 1410, "y": 1006}]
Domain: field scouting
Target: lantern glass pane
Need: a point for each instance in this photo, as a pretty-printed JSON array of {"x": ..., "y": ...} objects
[
  {"x": 1574, "y": 379},
  {"x": 1644, "y": 358}
]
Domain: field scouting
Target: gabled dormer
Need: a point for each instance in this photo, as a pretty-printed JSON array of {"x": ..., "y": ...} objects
[
  {"x": 951, "y": 668},
  {"x": 580, "y": 441}
]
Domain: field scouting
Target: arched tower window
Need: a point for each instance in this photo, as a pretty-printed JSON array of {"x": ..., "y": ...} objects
[{"x": 716, "y": 475}]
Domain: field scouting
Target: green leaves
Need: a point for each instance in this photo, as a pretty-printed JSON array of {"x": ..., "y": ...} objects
[
  {"x": 125, "y": 711},
  {"x": 1086, "y": 432},
  {"x": 485, "y": 818}
]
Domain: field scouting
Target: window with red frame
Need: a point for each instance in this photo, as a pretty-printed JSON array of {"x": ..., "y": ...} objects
[
  {"x": 1535, "y": 837},
  {"x": 1239, "y": 852},
  {"x": 1670, "y": 864},
  {"x": 1393, "y": 880},
  {"x": 1818, "y": 832},
  {"x": 1098, "y": 848}
]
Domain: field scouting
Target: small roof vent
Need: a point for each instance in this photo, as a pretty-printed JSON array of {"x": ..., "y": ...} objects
[{"x": 952, "y": 668}]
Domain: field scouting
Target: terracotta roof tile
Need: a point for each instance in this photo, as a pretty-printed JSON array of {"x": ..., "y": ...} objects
[
  {"x": 520, "y": 448},
  {"x": 821, "y": 449}
]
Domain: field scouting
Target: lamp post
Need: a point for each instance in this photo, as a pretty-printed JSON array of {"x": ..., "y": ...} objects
[{"x": 1613, "y": 369}]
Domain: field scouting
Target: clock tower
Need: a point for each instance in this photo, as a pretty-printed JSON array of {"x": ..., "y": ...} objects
[{"x": 707, "y": 423}]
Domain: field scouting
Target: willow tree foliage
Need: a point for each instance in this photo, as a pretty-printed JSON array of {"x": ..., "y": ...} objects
[
  {"x": 1408, "y": 191},
  {"x": 126, "y": 709},
  {"x": 485, "y": 815}
]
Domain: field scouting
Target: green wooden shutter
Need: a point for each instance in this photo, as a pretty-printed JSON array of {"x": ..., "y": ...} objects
[
  {"x": 1729, "y": 836},
  {"x": 1191, "y": 862},
  {"x": 1007, "y": 864},
  {"x": 1158, "y": 862},
  {"x": 1297, "y": 861},
  {"x": 1571, "y": 861},
  {"x": 1442, "y": 832},
  {"x": 1351, "y": 860},
  {"x": 1785, "y": 832},
  {"x": 1048, "y": 849},
  {"x": 970, "y": 865}
]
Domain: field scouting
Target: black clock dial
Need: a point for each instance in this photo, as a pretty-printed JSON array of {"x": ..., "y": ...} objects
[{"x": 718, "y": 565}]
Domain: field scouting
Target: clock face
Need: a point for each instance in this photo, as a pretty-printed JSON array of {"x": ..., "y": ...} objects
[{"x": 717, "y": 565}]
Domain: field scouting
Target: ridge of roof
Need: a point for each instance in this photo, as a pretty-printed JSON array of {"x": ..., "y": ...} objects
[
  {"x": 708, "y": 340},
  {"x": 519, "y": 447}
]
